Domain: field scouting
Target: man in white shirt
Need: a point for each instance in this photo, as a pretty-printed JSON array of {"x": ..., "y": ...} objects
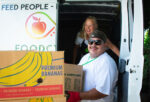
[{"x": 100, "y": 70}]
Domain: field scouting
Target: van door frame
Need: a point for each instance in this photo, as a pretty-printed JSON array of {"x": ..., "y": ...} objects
[
  {"x": 136, "y": 62},
  {"x": 131, "y": 52}
]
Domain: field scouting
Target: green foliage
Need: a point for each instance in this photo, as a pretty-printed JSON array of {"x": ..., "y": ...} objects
[
  {"x": 146, "y": 61},
  {"x": 146, "y": 54}
]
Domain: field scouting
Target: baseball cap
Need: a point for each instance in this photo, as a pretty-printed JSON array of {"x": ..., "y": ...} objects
[{"x": 99, "y": 34}]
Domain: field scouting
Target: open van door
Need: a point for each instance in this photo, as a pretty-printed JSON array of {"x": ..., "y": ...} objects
[{"x": 131, "y": 52}]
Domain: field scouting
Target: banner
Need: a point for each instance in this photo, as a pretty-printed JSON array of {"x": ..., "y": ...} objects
[{"x": 28, "y": 25}]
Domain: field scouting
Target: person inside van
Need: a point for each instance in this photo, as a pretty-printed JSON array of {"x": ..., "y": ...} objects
[
  {"x": 82, "y": 38},
  {"x": 101, "y": 72}
]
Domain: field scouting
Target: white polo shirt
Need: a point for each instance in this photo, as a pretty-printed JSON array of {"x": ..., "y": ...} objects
[{"x": 100, "y": 73}]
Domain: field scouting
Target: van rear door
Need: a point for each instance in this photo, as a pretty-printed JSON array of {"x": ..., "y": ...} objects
[{"x": 131, "y": 52}]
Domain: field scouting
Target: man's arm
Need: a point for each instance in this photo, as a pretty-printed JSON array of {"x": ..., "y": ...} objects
[{"x": 92, "y": 94}]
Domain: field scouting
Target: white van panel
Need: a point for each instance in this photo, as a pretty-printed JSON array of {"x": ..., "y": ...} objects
[
  {"x": 136, "y": 56},
  {"x": 131, "y": 53}
]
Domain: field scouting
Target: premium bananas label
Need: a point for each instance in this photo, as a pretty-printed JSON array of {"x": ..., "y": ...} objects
[{"x": 34, "y": 72}]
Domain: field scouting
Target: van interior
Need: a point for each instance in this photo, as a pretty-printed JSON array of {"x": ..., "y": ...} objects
[{"x": 72, "y": 14}]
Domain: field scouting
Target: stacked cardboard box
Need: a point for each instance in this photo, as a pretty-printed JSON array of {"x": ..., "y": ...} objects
[
  {"x": 38, "y": 99},
  {"x": 28, "y": 76}
]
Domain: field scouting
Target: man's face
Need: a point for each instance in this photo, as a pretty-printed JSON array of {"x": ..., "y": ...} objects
[
  {"x": 89, "y": 26},
  {"x": 96, "y": 47}
]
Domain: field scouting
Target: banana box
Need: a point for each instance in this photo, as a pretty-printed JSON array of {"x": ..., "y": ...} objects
[
  {"x": 25, "y": 74},
  {"x": 40, "y": 99}
]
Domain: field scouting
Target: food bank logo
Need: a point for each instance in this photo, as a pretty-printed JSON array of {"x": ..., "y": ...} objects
[{"x": 39, "y": 25}]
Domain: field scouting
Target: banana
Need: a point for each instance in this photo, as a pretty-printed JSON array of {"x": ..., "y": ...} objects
[
  {"x": 30, "y": 69},
  {"x": 45, "y": 99},
  {"x": 38, "y": 78}
]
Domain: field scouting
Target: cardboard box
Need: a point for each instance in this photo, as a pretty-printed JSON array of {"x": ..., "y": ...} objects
[
  {"x": 73, "y": 77},
  {"x": 40, "y": 99},
  {"x": 29, "y": 74},
  {"x": 25, "y": 74}
]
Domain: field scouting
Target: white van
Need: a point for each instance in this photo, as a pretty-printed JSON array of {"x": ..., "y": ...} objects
[{"x": 122, "y": 21}]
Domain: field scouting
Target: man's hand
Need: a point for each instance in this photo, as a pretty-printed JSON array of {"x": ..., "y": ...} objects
[{"x": 73, "y": 96}]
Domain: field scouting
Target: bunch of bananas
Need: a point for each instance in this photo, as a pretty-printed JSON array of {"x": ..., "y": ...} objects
[{"x": 26, "y": 71}]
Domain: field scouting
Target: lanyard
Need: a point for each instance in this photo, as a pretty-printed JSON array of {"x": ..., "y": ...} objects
[{"x": 89, "y": 61}]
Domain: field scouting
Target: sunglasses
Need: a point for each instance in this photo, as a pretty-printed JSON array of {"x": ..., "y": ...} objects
[{"x": 97, "y": 42}]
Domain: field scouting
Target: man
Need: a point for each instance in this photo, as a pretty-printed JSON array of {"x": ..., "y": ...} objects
[{"x": 100, "y": 72}]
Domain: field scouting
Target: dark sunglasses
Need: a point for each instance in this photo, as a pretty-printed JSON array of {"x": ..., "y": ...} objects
[{"x": 97, "y": 42}]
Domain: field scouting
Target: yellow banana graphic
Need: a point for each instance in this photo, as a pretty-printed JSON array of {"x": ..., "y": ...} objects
[
  {"x": 30, "y": 69},
  {"x": 46, "y": 99},
  {"x": 26, "y": 71},
  {"x": 18, "y": 66},
  {"x": 38, "y": 78}
]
